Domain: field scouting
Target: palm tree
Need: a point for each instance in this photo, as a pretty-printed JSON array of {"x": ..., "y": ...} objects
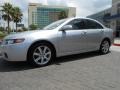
[
  {"x": 62, "y": 15},
  {"x": 7, "y": 9},
  {"x": 16, "y": 15}
]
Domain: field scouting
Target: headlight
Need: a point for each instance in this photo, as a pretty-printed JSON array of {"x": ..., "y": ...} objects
[{"x": 13, "y": 41}]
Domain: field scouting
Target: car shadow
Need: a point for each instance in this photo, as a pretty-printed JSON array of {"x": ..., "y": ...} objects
[
  {"x": 76, "y": 57},
  {"x": 6, "y": 66}
]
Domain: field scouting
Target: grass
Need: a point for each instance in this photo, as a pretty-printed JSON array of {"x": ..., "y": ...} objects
[{"x": 2, "y": 35}]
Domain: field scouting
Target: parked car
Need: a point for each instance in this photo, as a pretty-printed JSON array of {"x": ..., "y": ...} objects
[{"x": 63, "y": 37}]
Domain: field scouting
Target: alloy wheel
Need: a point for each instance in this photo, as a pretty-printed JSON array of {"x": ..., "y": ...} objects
[
  {"x": 105, "y": 47},
  {"x": 42, "y": 55}
]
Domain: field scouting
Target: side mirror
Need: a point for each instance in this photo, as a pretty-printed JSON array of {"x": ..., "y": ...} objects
[{"x": 66, "y": 27}]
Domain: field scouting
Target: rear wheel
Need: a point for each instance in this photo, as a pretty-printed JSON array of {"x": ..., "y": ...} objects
[
  {"x": 105, "y": 47},
  {"x": 41, "y": 54}
]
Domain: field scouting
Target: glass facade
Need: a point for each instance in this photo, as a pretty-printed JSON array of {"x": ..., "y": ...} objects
[
  {"x": 118, "y": 21},
  {"x": 110, "y": 17},
  {"x": 45, "y": 16}
]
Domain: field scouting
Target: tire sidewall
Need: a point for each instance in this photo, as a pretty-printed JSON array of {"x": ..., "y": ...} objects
[
  {"x": 31, "y": 51},
  {"x": 101, "y": 51}
]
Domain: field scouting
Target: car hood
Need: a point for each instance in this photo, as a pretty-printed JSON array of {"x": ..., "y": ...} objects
[{"x": 28, "y": 33}]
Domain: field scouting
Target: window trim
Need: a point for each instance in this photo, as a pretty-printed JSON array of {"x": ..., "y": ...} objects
[{"x": 80, "y": 19}]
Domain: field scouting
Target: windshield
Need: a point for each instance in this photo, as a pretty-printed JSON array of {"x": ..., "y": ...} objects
[{"x": 54, "y": 24}]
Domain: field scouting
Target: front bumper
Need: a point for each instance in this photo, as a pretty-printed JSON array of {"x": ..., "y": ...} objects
[{"x": 14, "y": 52}]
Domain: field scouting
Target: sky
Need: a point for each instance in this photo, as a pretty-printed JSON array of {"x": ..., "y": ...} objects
[{"x": 83, "y": 7}]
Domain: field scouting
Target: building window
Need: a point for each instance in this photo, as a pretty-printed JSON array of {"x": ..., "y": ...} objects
[
  {"x": 118, "y": 8},
  {"x": 118, "y": 25},
  {"x": 118, "y": 5},
  {"x": 45, "y": 16}
]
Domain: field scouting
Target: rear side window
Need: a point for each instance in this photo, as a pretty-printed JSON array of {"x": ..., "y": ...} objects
[{"x": 92, "y": 25}]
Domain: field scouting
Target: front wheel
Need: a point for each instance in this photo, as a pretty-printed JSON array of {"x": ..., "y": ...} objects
[
  {"x": 40, "y": 54},
  {"x": 105, "y": 47}
]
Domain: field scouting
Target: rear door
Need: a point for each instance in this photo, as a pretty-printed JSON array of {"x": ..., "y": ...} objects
[{"x": 94, "y": 33}]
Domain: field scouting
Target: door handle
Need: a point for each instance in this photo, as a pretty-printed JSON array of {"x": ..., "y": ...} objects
[
  {"x": 102, "y": 31},
  {"x": 84, "y": 32}
]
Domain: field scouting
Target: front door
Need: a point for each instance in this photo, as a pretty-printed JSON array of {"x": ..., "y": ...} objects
[{"x": 72, "y": 41}]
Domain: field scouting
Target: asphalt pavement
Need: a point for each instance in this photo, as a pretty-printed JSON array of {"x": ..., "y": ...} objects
[{"x": 88, "y": 71}]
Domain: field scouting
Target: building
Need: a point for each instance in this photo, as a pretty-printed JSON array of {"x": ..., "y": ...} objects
[
  {"x": 100, "y": 16},
  {"x": 110, "y": 17},
  {"x": 115, "y": 17},
  {"x": 0, "y": 19},
  {"x": 42, "y": 15},
  {"x": 2, "y": 23}
]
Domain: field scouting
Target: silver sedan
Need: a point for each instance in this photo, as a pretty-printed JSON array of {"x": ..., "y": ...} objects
[{"x": 63, "y": 37}]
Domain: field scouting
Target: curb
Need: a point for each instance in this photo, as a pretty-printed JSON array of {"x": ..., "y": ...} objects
[{"x": 115, "y": 44}]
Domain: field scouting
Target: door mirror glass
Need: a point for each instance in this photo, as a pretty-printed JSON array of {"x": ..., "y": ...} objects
[{"x": 66, "y": 27}]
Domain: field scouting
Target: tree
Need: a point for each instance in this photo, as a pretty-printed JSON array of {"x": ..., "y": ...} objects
[
  {"x": 33, "y": 27},
  {"x": 16, "y": 15},
  {"x": 2, "y": 29},
  {"x": 62, "y": 15},
  {"x": 24, "y": 29},
  {"x": 7, "y": 9}
]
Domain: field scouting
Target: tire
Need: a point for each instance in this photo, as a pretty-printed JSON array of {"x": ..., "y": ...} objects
[
  {"x": 41, "y": 54},
  {"x": 105, "y": 47}
]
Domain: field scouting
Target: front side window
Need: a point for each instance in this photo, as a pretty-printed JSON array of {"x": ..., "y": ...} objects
[{"x": 77, "y": 24}]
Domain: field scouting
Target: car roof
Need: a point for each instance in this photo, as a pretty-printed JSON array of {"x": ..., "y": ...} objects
[
  {"x": 82, "y": 18},
  {"x": 72, "y": 18}
]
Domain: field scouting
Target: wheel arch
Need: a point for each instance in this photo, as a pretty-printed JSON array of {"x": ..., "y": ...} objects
[
  {"x": 108, "y": 39},
  {"x": 41, "y": 41}
]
